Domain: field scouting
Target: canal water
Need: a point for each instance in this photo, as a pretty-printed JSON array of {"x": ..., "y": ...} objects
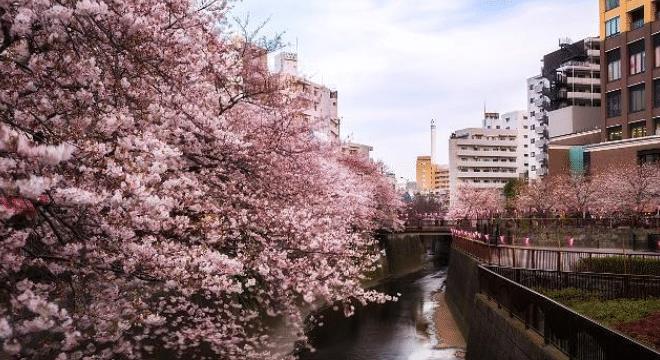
[{"x": 402, "y": 330}]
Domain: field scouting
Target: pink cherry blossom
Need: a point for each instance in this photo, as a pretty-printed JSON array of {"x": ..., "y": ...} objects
[{"x": 174, "y": 198}]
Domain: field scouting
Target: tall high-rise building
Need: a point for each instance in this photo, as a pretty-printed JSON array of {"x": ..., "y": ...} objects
[
  {"x": 630, "y": 35},
  {"x": 565, "y": 98}
]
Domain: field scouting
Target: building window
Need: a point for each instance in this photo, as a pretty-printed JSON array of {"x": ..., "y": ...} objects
[
  {"x": 636, "y": 98},
  {"x": 649, "y": 156},
  {"x": 611, "y": 4},
  {"x": 638, "y": 129},
  {"x": 636, "y": 18},
  {"x": 612, "y": 27},
  {"x": 637, "y": 57},
  {"x": 656, "y": 45},
  {"x": 614, "y": 103},
  {"x": 656, "y": 93},
  {"x": 614, "y": 65},
  {"x": 657, "y": 126},
  {"x": 615, "y": 133}
]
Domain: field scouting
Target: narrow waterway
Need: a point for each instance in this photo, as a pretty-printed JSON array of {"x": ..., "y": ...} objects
[{"x": 398, "y": 330}]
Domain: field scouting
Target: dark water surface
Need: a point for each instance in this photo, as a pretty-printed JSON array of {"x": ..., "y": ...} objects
[{"x": 400, "y": 330}]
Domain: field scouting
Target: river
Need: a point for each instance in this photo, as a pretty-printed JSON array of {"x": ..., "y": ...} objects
[{"x": 399, "y": 330}]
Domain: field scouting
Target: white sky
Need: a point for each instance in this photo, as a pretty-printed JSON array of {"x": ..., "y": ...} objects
[{"x": 399, "y": 63}]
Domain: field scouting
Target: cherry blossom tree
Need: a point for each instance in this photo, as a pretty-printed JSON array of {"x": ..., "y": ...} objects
[
  {"x": 580, "y": 193},
  {"x": 174, "y": 200},
  {"x": 476, "y": 203},
  {"x": 632, "y": 189},
  {"x": 540, "y": 197}
]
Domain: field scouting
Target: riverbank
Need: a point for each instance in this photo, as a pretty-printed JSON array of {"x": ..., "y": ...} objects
[{"x": 447, "y": 332}]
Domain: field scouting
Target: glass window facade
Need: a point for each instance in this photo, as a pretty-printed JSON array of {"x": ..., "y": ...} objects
[
  {"x": 612, "y": 26},
  {"x": 636, "y": 18},
  {"x": 636, "y": 97},
  {"x": 614, "y": 103},
  {"x": 637, "y": 57},
  {"x": 638, "y": 129},
  {"x": 614, "y": 65},
  {"x": 611, "y": 4},
  {"x": 615, "y": 133}
]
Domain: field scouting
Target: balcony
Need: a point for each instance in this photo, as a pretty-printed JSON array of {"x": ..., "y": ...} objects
[
  {"x": 538, "y": 88},
  {"x": 582, "y": 81},
  {"x": 593, "y": 53},
  {"x": 583, "y": 95},
  {"x": 488, "y": 175},
  {"x": 541, "y": 102},
  {"x": 579, "y": 65},
  {"x": 487, "y": 164},
  {"x": 541, "y": 129},
  {"x": 542, "y": 143},
  {"x": 485, "y": 142}
]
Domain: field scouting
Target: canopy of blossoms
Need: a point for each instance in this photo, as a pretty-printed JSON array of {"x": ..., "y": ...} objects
[{"x": 160, "y": 194}]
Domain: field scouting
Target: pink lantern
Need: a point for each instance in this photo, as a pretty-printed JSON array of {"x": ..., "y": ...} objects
[
  {"x": 527, "y": 242},
  {"x": 571, "y": 241}
]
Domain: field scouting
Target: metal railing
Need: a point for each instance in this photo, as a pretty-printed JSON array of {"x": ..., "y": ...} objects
[
  {"x": 553, "y": 259},
  {"x": 577, "y": 336},
  {"x": 604, "y": 286}
]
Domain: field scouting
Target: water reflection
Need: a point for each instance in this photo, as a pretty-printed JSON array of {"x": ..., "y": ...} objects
[{"x": 401, "y": 330}]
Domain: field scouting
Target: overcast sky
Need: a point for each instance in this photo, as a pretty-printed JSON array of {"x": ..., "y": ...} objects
[{"x": 399, "y": 63}]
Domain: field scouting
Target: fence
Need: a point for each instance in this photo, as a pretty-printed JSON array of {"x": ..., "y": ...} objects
[
  {"x": 606, "y": 286},
  {"x": 643, "y": 234},
  {"x": 577, "y": 336},
  {"x": 567, "y": 260}
]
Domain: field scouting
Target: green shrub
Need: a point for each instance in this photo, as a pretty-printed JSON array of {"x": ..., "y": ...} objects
[
  {"x": 620, "y": 265},
  {"x": 610, "y": 312}
]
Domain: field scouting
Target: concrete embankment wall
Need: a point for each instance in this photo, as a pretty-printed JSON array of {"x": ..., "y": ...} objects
[
  {"x": 496, "y": 336},
  {"x": 462, "y": 286},
  {"x": 406, "y": 253},
  {"x": 491, "y": 333}
]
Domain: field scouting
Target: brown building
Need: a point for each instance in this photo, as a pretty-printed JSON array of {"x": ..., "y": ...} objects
[{"x": 630, "y": 83}]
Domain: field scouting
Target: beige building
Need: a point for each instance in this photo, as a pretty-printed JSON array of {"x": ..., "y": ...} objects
[
  {"x": 491, "y": 156},
  {"x": 322, "y": 112},
  {"x": 359, "y": 150}
]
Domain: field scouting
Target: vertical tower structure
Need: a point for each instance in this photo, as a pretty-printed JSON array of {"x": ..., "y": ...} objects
[{"x": 434, "y": 155}]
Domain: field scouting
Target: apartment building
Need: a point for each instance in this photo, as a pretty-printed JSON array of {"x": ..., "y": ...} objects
[
  {"x": 491, "y": 156},
  {"x": 358, "y": 150},
  {"x": 630, "y": 35},
  {"x": 565, "y": 98},
  {"x": 322, "y": 112}
]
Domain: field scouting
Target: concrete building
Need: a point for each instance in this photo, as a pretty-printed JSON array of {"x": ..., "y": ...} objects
[
  {"x": 490, "y": 157},
  {"x": 355, "y": 149},
  {"x": 630, "y": 119},
  {"x": 322, "y": 113},
  {"x": 565, "y": 98}
]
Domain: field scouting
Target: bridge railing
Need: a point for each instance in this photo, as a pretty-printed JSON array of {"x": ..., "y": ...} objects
[
  {"x": 577, "y": 336},
  {"x": 568, "y": 260}
]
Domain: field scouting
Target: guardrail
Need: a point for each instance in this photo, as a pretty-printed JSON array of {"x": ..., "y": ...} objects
[
  {"x": 577, "y": 336},
  {"x": 606, "y": 286},
  {"x": 536, "y": 258}
]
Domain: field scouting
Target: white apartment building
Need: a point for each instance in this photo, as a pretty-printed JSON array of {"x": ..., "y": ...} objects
[
  {"x": 323, "y": 111},
  {"x": 491, "y": 156}
]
